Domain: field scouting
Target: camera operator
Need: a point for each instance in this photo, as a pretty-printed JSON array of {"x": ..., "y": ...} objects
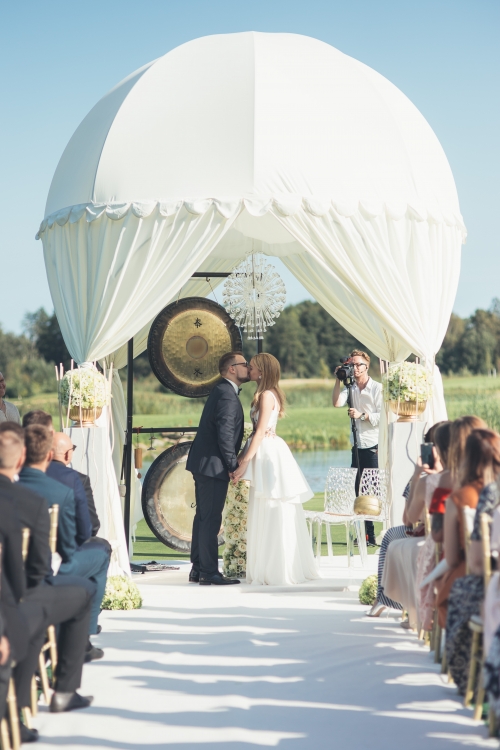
[{"x": 366, "y": 400}]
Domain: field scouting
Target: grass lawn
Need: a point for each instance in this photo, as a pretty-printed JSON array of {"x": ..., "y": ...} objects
[{"x": 147, "y": 546}]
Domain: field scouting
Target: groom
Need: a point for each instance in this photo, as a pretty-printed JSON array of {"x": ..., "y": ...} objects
[{"x": 211, "y": 460}]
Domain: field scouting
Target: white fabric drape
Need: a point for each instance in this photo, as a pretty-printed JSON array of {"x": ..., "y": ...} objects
[{"x": 109, "y": 278}]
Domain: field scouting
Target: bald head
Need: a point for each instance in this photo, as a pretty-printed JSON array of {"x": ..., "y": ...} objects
[{"x": 62, "y": 445}]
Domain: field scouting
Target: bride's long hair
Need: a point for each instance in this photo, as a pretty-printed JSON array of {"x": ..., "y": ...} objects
[{"x": 270, "y": 377}]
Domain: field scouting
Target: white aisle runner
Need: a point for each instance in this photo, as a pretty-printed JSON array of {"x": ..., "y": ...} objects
[{"x": 201, "y": 667}]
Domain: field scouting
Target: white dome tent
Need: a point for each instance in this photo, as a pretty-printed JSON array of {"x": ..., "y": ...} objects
[{"x": 244, "y": 142}]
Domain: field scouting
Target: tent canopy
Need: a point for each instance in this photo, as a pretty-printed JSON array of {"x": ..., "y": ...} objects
[{"x": 236, "y": 143}]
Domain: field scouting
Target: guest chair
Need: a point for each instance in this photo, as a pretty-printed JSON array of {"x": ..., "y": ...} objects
[
  {"x": 476, "y": 626},
  {"x": 51, "y": 642},
  {"x": 338, "y": 510}
]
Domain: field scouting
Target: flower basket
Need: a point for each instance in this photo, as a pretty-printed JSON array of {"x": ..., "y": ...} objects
[
  {"x": 84, "y": 392},
  {"x": 85, "y": 417},
  {"x": 121, "y": 593},
  {"x": 407, "y": 388}
]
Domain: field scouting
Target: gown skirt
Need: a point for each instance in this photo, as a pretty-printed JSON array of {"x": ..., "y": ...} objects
[{"x": 279, "y": 550}]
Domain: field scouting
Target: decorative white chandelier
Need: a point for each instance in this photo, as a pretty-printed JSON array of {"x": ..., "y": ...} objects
[{"x": 254, "y": 295}]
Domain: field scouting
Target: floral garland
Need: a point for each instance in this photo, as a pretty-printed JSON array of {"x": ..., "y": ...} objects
[
  {"x": 407, "y": 381},
  {"x": 84, "y": 387},
  {"x": 121, "y": 593},
  {"x": 235, "y": 525}
]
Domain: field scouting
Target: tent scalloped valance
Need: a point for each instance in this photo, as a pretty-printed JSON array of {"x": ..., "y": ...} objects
[{"x": 287, "y": 205}]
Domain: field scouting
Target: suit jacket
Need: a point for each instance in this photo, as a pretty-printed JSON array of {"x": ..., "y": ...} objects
[
  {"x": 219, "y": 435},
  {"x": 34, "y": 515},
  {"x": 55, "y": 493},
  {"x": 12, "y": 579},
  {"x": 61, "y": 473},
  {"x": 94, "y": 518}
]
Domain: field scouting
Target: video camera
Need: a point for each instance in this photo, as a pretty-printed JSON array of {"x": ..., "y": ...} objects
[{"x": 345, "y": 373}]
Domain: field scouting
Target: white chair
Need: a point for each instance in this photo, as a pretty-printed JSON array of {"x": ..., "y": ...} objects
[
  {"x": 338, "y": 511},
  {"x": 374, "y": 483}
]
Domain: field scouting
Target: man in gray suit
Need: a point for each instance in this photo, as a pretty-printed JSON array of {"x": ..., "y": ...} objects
[{"x": 212, "y": 459}]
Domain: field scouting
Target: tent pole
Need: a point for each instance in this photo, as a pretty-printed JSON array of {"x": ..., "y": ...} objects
[
  {"x": 128, "y": 437},
  {"x": 259, "y": 346}
]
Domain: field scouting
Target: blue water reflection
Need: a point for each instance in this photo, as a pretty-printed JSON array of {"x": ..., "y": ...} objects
[{"x": 314, "y": 464}]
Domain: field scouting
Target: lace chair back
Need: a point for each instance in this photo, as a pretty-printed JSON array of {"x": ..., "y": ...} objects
[
  {"x": 340, "y": 491},
  {"x": 374, "y": 482}
]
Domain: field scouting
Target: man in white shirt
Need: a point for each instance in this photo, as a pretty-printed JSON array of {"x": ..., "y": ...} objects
[{"x": 366, "y": 399}]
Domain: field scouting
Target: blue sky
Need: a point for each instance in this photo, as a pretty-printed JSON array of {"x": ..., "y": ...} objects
[{"x": 58, "y": 58}]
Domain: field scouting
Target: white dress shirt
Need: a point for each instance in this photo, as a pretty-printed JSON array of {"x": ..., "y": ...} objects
[
  {"x": 11, "y": 415},
  {"x": 236, "y": 388},
  {"x": 368, "y": 400}
]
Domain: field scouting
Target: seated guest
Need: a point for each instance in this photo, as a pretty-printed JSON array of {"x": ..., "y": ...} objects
[
  {"x": 87, "y": 561},
  {"x": 59, "y": 469},
  {"x": 62, "y": 449},
  {"x": 426, "y": 562},
  {"x": 68, "y": 606},
  {"x": 397, "y": 582},
  {"x": 40, "y": 417},
  {"x": 8, "y": 412},
  {"x": 481, "y": 467},
  {"x": 463, "y": 496}
]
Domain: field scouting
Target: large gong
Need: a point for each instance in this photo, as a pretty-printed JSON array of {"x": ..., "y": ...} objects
[
  {"x": 185, "y": 343},
  {"x": 168, "y": 499}
]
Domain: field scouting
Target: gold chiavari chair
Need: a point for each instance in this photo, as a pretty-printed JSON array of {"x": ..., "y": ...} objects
[
  {"x": 51, "y": 642},
  {"x": 476, "y": 626},
  {"x": 26, "y": 711}
]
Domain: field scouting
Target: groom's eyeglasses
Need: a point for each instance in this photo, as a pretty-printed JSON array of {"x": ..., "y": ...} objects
[{"x": 235, "y": 364}]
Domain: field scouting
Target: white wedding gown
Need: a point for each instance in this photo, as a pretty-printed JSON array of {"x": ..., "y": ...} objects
[{"x": 279, "y": 549}]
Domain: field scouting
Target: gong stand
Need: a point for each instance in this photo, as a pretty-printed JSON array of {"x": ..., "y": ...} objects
[{"x": 130, "y": 429}]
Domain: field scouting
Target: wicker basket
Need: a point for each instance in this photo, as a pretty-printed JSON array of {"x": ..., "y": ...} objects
[
  {"x": 84, "y": 417},
  {"x": 408, "y": 411},
  {"x": 367, "y": 505}
]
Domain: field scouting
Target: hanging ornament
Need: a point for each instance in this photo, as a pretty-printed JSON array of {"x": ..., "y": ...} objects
[{"x": 254, "y": 295}]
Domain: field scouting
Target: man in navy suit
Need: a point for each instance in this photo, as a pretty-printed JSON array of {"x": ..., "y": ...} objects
[
  {"x": 212, "y": 458},
  {"x": 58, "y": 469},
  {"x": 87, "y": 561}
]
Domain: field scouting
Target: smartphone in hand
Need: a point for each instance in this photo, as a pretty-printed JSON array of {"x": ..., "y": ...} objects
[{"x": 427, "y": 455}]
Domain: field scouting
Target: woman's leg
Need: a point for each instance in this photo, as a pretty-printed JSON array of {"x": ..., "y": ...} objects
[{"x": 397, "y": 532}]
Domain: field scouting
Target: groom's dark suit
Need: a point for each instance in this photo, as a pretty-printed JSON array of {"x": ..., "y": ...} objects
[{"x": 211, "y": 458}]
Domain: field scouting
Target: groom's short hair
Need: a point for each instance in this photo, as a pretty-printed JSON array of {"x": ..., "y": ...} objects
[{"x": 226, "y": 361}]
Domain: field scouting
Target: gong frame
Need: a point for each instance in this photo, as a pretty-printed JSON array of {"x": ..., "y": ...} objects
[{"x": 130, "y": 429}]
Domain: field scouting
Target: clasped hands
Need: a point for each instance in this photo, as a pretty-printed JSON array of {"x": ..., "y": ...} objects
[{"x": 237, "y": 474}]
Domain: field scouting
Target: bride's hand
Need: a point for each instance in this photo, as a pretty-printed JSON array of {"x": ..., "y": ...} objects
[{"x": 237, "y": 475}]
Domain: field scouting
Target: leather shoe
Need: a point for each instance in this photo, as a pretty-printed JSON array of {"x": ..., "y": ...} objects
[
  {"x": 217, "y": 579},
  {"x": 68, "y": 702},
  {"x": 194, "y": 576},
  {"x": 92, "y": 653},
  {"x": 27, "y": 735}
]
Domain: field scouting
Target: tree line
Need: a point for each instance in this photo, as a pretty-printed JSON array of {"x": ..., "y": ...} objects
[{"x": 308, "y": 342}]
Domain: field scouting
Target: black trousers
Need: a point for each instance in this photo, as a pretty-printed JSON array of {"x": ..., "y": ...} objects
[
  {"x": 68, "y": 607},
  {"x": 210, "y": 498},
  {"x": 368, "y": 459}
]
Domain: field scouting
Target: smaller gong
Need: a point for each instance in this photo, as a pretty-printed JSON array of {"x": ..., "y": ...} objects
[
  {"x": 367, "y": 505},
  {"x": 185, "y": 343},
  {"x": 168, "y": 499}
]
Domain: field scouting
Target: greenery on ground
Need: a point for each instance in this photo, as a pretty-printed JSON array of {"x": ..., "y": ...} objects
[{"x": 368, "y": 591}]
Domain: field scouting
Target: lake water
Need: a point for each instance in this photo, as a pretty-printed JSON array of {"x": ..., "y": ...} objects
[{"x": 314, "y": 464}]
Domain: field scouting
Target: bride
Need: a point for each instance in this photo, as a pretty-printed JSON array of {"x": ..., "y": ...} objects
[{"x": 278, "y": 546}]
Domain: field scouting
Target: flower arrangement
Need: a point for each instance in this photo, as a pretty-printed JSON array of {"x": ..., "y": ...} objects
[
  {"x": 368, "y": 590},
  {"x": 235, "y": 525},
  {"x": 407, "y": 381},
  {"x": 121, "y": 593},
  {"x": 85, "y": 388}
]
